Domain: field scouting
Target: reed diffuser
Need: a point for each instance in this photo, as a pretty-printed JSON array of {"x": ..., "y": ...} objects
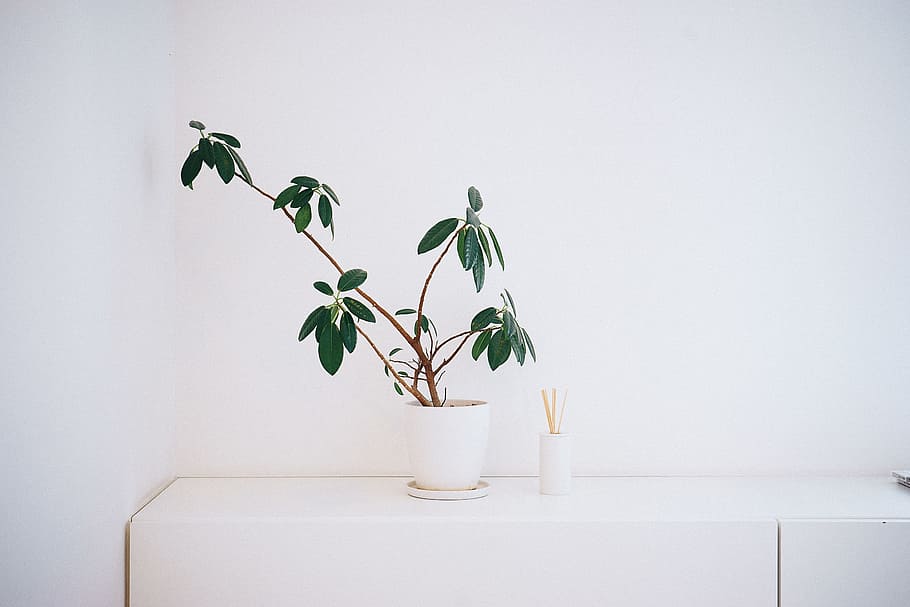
[{"x": 555, "y": 447}]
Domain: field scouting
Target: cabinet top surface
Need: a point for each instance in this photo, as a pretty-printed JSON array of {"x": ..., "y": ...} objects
[{"x": 645, "y": 499}]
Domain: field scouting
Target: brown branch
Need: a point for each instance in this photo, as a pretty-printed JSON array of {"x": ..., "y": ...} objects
[
  {"x": 455, "y": 353},
  {"x": 414, "y": 392},
  {"x": 426, "y": 284},
  {"x": 450, "y": 339},
  {"x": 412, "y": 341}
]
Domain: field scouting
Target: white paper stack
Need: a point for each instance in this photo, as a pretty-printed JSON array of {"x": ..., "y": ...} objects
[{"x": 902, "y": 476}]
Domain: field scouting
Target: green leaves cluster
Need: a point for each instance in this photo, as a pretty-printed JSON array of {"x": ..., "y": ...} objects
[
  {"x": 299, "y": 195},
  {"x": 334, "y": 324},
  {"x": 501, "y": 335},
  {"x": 473, "y": 240},
  {"x": 219, "y": 151},
  {"x": 216, "y": 151}
]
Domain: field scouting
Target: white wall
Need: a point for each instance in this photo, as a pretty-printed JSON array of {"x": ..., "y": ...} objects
[
  {"x": 704, "y": 209},
  {"x": 86, "y": 317}
]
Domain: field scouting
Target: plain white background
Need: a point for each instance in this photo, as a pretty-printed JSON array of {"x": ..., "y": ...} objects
[
  {"x": 87, "y": 312},
  {"x": 703, "y": 207}
]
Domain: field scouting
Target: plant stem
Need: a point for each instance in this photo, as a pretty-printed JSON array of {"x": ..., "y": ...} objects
[
  {"x": 426, "y": 284},
  {"x": 411, "y": 340},
  {"x": 415, "y": 393},
  {"x": 455, "y": 353},
  {"x": 450, "y": 339}
]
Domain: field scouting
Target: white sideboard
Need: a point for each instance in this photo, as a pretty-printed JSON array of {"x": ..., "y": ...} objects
[{"x": 748, "y": 542}]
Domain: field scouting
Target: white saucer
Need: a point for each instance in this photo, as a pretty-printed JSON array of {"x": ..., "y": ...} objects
[{"x": 482, "y": 489}]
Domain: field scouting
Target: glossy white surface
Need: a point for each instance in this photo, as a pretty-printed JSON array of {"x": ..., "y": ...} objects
[
  {"x": 517, "y": 499},
  {"x": 625, "y": 541}
]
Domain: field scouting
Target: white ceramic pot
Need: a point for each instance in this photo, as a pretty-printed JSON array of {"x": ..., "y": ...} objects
[{"x": 447, "y": 445}]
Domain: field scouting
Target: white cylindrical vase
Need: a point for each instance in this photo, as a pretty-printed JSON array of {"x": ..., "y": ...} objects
[{"x": 555, "y": 463}]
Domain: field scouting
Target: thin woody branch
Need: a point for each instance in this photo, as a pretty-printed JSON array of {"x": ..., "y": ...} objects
[
  {"x": 455, "y": 353},
  {"x": 426, "y": 284},
  {"x": 412, "y": 341},
  {"x": 451, "y": 339},
  {"x": 415, "y": 393}
]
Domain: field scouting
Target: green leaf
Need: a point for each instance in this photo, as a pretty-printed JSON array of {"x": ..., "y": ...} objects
[
  {"x": 471, "y": 248},
  {"x": 324, "y": 320},
  {"x": 480, "y": 344},
  {"x": 302, "y": 218},
  {"x": 197, "y": 125},
  {"x": 359, "y": 310},
  {"x": 307, "y": 182},
  {"x": 323, "y": 287},
  {"x": 398, "y": 389},
  {"x": 460, "y": 246},
  {"x": 244, "y": 172},
  {"x": 496, "y": 246},
  {"x": 485, "y": 245},
  {"x": 352, "y": 279},
  {"x": 394, "y": 351},
  {"x": 228, "y": 139},
  {"x": 331, "y": 193},
  {"x": 286, "y": 196},
  {"x": 436, "y": 235},
  {"x": 474, "y": 199},
  {"x": 482, "y": 319},
  {"x": 310, "y": 323},
  {"x": 323, "y": 200},
  {"x": 511, "y": 301},
  {"x": 509, "y": 324},
  {"x": 331, "y": 351},
  {"x": 479, "y": 270},
  {"x": 348, "y": 332},
  {"x": 518, "y": 347},
  {"x": 325, "y": 212},
  {"x": 191, "y": 167},
  {"x": 404, "y": 311},
  {"x": 530, "y": 344},
  {"x": 499, "y": 349},
  {"x": 301, "y": 198},
  {"x": 224, "y": 162},
  {"x": 472, "y": 218},
  {"x": 208, "y": 153}
]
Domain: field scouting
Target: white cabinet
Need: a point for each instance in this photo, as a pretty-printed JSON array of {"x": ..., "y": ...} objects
[
  {"x": 453, "y": 563},
  {"x": 845, "y": 563},
  {"x": 633, "y": 542}
]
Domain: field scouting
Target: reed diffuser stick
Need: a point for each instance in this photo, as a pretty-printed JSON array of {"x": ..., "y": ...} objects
[
  {"x": 562, "y": 411},
  {"x": 546, "y": 407}
]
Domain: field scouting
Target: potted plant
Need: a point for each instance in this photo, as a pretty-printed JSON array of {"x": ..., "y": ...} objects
[{"x": 446, "y": 438}]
